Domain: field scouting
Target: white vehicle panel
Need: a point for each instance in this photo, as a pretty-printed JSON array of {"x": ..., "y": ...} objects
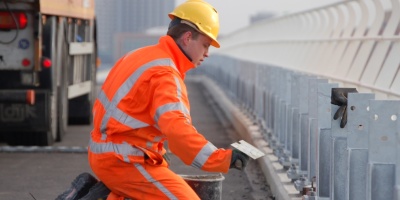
[{"x": 16, "y": 45}]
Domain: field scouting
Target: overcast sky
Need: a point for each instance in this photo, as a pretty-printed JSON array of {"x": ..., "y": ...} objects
[{"x": 235, "y": 14}]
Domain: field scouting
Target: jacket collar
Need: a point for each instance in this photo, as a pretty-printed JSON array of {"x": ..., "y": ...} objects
[{"x": 182, "y": 62}]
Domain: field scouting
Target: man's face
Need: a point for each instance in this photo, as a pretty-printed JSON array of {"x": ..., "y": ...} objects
[{"x": 197, "y": 49}]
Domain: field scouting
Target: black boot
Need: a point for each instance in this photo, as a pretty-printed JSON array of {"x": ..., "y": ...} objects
[
  {"x": 97, "y": 192},
  {"x": 79, "y": 187}
]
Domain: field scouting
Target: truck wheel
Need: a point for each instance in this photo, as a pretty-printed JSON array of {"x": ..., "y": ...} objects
[
  {"x": 63, "y": 113},
  {"x": 48, "y": 137},
  {"x": 51, "y": 51},
  {"x": 28, "y": 139},
  {"x": 64, "y": 61},
  {"x": 80, "y": 110}
]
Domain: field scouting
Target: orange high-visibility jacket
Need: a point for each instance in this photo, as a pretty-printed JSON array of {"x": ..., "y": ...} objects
[{"x": 144, "y": 102}]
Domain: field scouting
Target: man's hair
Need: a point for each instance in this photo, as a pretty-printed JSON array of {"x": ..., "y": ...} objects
[{"x": 178, "y": 30}]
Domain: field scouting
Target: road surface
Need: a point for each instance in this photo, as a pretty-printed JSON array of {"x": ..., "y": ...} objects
[{"x": 43, "y": 173}]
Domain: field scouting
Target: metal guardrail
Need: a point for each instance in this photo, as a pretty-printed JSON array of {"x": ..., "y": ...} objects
[
  {"x": 295, "y": 114},
  {"x": 282, "y": 71}
]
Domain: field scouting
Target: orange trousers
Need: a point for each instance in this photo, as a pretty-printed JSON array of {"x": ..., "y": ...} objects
[{"x": 139, "y": 181}]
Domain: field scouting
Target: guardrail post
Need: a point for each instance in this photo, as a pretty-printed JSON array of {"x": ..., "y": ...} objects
[
  {"x": 287, "y": 119},
  {"x": 313, "y": 125},
  {"x": 322, "y": 140},
  {"x": 275, "y": 109},
  {"x": 295, "y": 127},
  {"x": 272, "y": 105},
  {"x": 299, "y": 169},
  {"x": 338, "y": 158},
  {"x": 278, "y": 113},
  {"x": 382, "y": 151},
  {"x": 309, "y": 128},
  {"x": 258, "y": 95},
  {"x": 357, "y": 144},
  {"x": 397, "y": 187}
]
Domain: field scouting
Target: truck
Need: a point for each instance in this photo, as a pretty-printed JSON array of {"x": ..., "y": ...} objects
[{"x": 48, "y": 61}]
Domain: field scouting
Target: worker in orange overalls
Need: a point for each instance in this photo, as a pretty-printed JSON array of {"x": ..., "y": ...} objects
[{"x": 144, "y": 102}]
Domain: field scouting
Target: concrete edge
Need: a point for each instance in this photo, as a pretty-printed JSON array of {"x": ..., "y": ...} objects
[{"x": 281, "y": 186}]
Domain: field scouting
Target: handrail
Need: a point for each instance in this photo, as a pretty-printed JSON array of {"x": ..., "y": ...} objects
[{"x": 352, "y": 42}]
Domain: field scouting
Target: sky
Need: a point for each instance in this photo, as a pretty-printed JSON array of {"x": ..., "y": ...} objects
[{"x": 235, "y": 14}]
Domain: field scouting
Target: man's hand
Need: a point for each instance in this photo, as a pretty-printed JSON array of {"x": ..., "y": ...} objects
[
  {"x": 339, "y": 98},
  {"x": 239, "y": 160}
]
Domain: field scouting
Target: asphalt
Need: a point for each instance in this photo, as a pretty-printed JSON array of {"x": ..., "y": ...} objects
[{"x": 210, "y": 120}]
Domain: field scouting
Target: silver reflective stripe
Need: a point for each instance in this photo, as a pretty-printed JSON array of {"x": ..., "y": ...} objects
[
  {"x": 179, "y": 106},
  {"x": 119, "y": 115},
  {"x": 123, "y": 149},
  {"x": 172, "y": 106},
  {"x": 106, "y": 104},
  {"x": 129, "y": 53},
  {"x": 157, "y": 138},
  {"x": 149, "y": 178},
  {"x": 111, "y": 106},
  {"x": 203, "y": 155},
  {"x": 149, "y": 144},
  {"x": 178, "y": 88},
  {"x": 103, "y": 99},
  {"x": 127, "y": 120}
]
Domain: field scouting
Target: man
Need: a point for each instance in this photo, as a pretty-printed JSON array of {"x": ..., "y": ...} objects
[{"x": 143, "y": 103}]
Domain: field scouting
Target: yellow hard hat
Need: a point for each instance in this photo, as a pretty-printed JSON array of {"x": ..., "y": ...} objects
[{"x": 201, "y": 14}]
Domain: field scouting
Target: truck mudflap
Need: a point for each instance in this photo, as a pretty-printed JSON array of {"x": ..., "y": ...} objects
[{"x": 19, "y": 115}]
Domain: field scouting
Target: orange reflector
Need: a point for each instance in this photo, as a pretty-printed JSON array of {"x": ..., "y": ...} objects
[
  {"x": 26, "y": 62},
  {"x": 30, "y": 97},
  {"x": 98, "y": 62},
  {"x": 46, "y": 63}
]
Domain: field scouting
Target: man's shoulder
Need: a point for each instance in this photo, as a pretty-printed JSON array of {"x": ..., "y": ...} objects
[{"x": 150, "y": 52}]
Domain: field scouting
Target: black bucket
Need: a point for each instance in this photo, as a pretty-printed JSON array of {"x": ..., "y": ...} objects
[{"x": 207, "y": 187}]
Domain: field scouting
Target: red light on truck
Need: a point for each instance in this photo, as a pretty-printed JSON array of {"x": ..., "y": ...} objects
[
  {"x": 7, "y": 20},
  {"x": 46, "y": 63},
  {"x": 26, "y": 62}
]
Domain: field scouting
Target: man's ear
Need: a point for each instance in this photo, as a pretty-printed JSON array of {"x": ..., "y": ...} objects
[{"x": 186, "y": 37}]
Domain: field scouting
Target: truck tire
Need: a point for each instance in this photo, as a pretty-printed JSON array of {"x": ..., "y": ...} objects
[
  {"x": 80, "y": 110},
  {"x": 27, "y": 139},
  {"x": 63, "y": 62},
  {"x": 52, "y": 31},
  {"x": 50, "y": 51}
]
